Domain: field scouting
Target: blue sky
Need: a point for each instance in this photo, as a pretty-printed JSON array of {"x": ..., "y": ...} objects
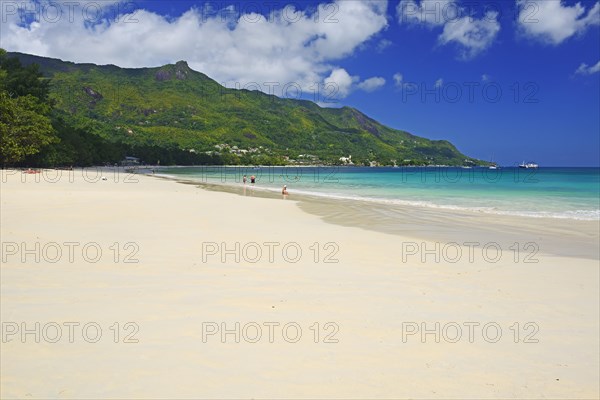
[{"x": 514, "y": 80}]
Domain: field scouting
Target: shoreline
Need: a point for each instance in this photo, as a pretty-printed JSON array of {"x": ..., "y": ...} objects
[
  {"x": 427, "y": 199},
  {"x": 554, "y": 236}
]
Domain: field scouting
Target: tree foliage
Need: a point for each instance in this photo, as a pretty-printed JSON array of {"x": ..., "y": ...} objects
[{"x": 25, "y": 127}]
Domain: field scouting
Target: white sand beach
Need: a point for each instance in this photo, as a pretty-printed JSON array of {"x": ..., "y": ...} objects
[{"x": 343, "y": 319}]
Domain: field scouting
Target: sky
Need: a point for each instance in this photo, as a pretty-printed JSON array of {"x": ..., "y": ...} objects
[{"x": 507, "y": 80}]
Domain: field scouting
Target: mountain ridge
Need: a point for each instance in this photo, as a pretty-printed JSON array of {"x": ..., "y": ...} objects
[{"x": 175, "y": 106}]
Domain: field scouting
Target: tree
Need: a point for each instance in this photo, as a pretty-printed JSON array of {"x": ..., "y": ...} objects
[
  {"x": 24, "y": 127},
  {"x": 3, "y": 75},
  {"x": 18, "y": 80},
  {"x": 25, "y": 124}
]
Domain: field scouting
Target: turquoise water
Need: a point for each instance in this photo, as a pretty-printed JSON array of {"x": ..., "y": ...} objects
[{"x": 572, "y": 193}]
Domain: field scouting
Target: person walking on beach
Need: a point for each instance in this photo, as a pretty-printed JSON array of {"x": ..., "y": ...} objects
[{"x": 284, "y": 191}]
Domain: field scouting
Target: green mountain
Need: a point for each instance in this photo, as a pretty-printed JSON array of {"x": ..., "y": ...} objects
[{"x": 176, "y": 107}]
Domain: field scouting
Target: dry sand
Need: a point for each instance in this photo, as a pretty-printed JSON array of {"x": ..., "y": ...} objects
[{"x": 363, "y": 307}]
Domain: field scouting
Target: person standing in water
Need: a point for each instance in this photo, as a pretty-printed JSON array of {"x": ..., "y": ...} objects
[
  {"x": 252, "y": 179},
  {"x": 284, "y": 190},
  {"x": 244, "y": 179}
]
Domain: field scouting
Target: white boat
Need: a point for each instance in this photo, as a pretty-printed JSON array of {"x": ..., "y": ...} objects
[{"x": 528, "y": 165}]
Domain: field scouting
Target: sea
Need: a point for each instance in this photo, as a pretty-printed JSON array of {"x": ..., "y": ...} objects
[{"x": 545, "y": 192}]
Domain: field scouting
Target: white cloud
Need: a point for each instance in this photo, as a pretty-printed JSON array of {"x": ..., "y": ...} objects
[
  {"x": 343, "y": 82},
  {"x": 553, "y": 22},
  {"x": 485, "y": 77},
  {"x": 398, "y": 78},
  {"x": 346, "y": 83},
  {"x": 383, "y": 44},
  {"x": 439, "y": 83},
  {"x": 470, "y": 34},
  {"x": 584, "y": 69},
  {"x": 287, "y": 46},
  {"x": 372, "y": 84}
]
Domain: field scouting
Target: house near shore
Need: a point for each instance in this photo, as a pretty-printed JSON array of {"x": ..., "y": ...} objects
[
  {"x": 346, "y": 160},
  {"x": 130, "y": 161}
]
